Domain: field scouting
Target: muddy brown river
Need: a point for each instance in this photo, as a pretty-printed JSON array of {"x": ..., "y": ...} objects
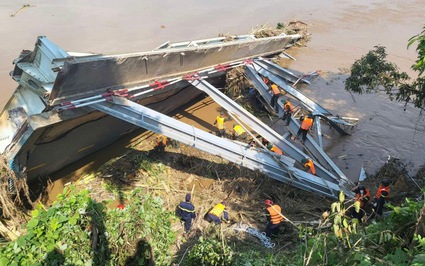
[{"x": 342, "y": 31}]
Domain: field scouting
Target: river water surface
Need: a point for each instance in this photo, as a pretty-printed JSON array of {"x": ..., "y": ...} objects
[{"x": 342, "y": 31}]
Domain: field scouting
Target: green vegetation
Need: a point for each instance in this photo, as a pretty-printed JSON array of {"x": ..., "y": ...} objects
[
  {"x": 78, "y": 231},
  {"x": 391, "y": 241},
  {"x": 373, "y": 72}
]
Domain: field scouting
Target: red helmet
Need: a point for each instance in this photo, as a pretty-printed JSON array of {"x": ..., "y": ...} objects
[{"x": 268, "y": 202}]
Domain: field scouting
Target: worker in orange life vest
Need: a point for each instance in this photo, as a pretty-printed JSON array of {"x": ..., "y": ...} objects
[
  {"x": 275, "y": 97},
  {"x": 362, "y": 196},
  {"x": 219, "y": 124},
  {"x": 381, "y": 195},
  {"x": 274, "y": 217},
  {"x": 309, "y": 166},
  {"x": 239, "y": 133},
  {"x": 306, "y": 124},
  {"x": 274, "y": 149},
  {"x": 288, "y": 110},
  {"x": 161, "y": 142}
]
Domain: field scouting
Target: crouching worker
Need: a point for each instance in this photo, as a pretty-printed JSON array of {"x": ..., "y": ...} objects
[
  {"x": 309, "y": 166},
  {"x": 186, "y": 212},
  {"x": 274, "y": 217},
  {"x": 218, "y": 213},
  {"x": 239, "y": 133}
]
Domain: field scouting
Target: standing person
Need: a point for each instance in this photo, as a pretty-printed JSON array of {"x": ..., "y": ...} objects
[
  {"x": 186, "y": 212},
  {"x": 306, "y": 124},
  {"x": 362, "y": 196},
  {"x": 275, "y": 97},
  {"x": 239, "y": 133},
  {"x": 309, "y": 166},
  {"x": 274, "y": 217},
  {"x": 381, "y": 195},
  {"x": 288, "y": 110},
  {"x": 218, "y": 213},
  {"x": 219, "y": 124}
]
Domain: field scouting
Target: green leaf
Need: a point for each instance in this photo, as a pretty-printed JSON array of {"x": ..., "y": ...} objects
[
  {"x": 32, "y": 223},
  {"x": 35, "y": 213},
  {"x": 357, "y": 206},
  {"x": 341, "y": 197},
  {"x": 4, "y": 261},
  {"x": 55, "y": 224}
]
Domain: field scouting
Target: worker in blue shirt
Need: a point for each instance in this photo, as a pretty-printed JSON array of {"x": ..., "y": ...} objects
[{"x": 186, "y": 212}]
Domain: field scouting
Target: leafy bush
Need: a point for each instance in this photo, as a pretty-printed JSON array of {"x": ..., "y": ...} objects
[
  {"x": 76, "y": 230},
  {"x": 210, "y": 252}
]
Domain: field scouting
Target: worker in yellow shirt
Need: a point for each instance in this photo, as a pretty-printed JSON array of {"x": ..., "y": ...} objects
[
  {"x": 219, "y": 124},
  {"x": 239, "y": 133}
]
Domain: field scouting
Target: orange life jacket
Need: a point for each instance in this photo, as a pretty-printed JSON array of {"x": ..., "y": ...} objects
[
  {"x": 276, "y": 150},
  {"x": 161, "y": 139},
  {"x": 365, "y": 198},
  {"x": 239, "y": 130},
  {"x": 380, "y": 190},
  {"x": 220, "y": 122},
  {"x": 310, "y": 165},
  {"x": 275, "y": 89},
  {"x": 218, "y": 210},
  {"x": 288, "y": 107},
  {"x": 275, "y": 214},
  {"x": 307, "y": 123}
]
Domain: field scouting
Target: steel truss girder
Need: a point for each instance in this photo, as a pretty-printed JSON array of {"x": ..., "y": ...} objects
[
  {"x": 273, "y": 74},
  {"x": 259, "y": 127},
  {"x": 240, "y": 154},
  {"x": 319, "y": 155}
]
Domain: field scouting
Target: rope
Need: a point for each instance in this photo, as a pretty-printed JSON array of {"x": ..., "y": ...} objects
[{"x": 265, "y": 240}]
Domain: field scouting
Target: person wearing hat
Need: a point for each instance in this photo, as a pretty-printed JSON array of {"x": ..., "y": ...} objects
[
  {"x": 381, "y": 195},
  {"x": 288, "y": 110},
  {"x": 219, "y": 124},
  {"x": 218, "y": 213},
  {"x": 186, "y": 212},
  {"x": 275, "y": 97},
  {"x": 239, "y": 133},
  {"x": 274, "y": 217}
]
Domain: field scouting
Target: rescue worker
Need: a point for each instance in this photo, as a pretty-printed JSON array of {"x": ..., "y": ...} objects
[
  {"x": 309, "y": 166},
  {"x": 275, "y": 97},
  {"x": 306, "y": 124},
  {"x": 288, "y": 110},
  {"x": 239, "y": 133},
  {"x": 266, "y": 80},
  {"x": 186, "y": 212},
  {"x": 274, "y": 149},
  {"x": 274, "y": 217},
  {"x": 380, "y": 197},
  {"x": 362, "y": 196},
  {"x": 219, "y": 124},
  {"x": 218, "y": 213},
  {"x": 161, "y": 142}
]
